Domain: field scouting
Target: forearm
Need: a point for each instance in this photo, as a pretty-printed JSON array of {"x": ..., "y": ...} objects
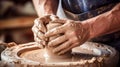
[
  {"x": 105, "y": 23},
  {"x": 44, "y": 7}
]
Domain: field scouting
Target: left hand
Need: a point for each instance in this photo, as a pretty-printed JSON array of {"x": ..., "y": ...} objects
[
  {"x": 75, "y": 34},
  {"x": 39, "y": 28}
]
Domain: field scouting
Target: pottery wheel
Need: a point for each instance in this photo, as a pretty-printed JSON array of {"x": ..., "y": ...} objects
[{"x": 88, "y": 54}]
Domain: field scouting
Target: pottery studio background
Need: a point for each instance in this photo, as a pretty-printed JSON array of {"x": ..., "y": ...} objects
[{"x": 16, "y": 20}]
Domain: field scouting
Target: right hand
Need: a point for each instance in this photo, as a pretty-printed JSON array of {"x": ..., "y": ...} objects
[{"x": 74, "y": 33}]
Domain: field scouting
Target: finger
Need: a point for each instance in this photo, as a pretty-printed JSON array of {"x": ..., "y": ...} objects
[
  {"x": 40, "y": 25},
  {"x": 36, "y": 22},
  {"x": 62, "y": 46},
  {"x": 41, "y": 36},
  {"x": 36, "y": 30},
  {"x": 39, "y": 41},
  {"x": 39, "y": 45},
  {"x": 57, "y": 41},
  {"x": 55, "y": 31},
  {"x": 59, "y": 21},
  {"x": 67, "y": 49},
  {"x": 52, "y": 25}
]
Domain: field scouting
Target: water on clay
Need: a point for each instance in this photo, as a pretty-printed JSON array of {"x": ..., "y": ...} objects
[{"x": 40, "y": 55}]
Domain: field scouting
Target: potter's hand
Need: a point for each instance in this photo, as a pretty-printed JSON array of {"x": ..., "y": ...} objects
[
  {"x": 75, "y": 33},
  {"x": 39, "y": 29}
]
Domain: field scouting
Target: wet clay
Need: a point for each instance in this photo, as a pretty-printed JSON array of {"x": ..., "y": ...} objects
[
  {"x": 41, "y": 55},
  {"x": 84, "y": 52}
]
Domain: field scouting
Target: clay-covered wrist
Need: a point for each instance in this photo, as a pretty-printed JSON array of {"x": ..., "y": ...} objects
[{"x": 87, "y": 27}]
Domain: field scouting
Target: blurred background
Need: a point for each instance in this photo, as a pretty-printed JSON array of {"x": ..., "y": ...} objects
[{"x": 16, "y": 21}]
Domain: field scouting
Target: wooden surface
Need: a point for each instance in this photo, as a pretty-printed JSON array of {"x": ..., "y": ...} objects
[{"x": 19, "y": 22}]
